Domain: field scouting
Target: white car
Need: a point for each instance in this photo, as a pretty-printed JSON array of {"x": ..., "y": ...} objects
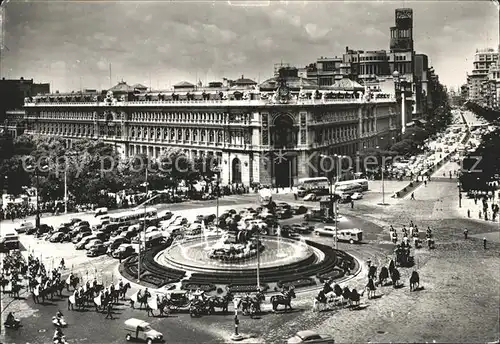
[
  {"x": 328, "y": 231},
  {"x": 356, "y": 195},
  {"x": 24, "y": 226},
  {"x": 310, "y": 197},
  {"x": 310, "y": 337}
]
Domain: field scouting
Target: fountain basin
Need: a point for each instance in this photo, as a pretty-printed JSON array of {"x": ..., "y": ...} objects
[{"x": 193, "y": 256}]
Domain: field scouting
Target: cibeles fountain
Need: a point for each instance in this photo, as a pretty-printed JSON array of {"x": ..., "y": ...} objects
[{"x": 233, "y": 257}]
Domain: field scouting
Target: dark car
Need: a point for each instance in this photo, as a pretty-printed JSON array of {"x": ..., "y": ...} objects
[
  {"x": 318, "y": 217},
  {"x": 114, "y": 244},
  {"x": 74, "y": 220},
  {"x": 43, "y": 229},
  {"x": 63, "y": 229},
  {"x": 31, "y": 230},
  {"x": 80, "y": 237},
  {"x": 123, "y": 252},
  {"x": 301, "y": 229},
  {"x": 96, "y": 250},
  {"x": 283, "y": 213},
  {"x": 298, "y": 210},
  {"x": 57, "y": 237},
  {"x": 109, "y": 228},
  {"x": 283, "y": 205}
]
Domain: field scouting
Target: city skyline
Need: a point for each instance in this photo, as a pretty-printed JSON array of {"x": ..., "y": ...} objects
[{"x": 72, "y": 44}]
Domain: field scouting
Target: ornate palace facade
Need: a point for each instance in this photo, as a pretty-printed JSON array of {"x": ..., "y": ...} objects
[{"x": 273, "y": 133}]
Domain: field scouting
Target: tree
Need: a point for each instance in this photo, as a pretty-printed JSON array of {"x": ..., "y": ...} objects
[{"x": 404, "y": 147}]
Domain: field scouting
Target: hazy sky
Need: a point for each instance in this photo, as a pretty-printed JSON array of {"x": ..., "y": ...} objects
[{"x": 72, "y": 43}]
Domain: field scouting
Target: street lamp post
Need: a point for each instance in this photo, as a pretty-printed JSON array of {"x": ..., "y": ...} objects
[
  {"x": 382, "y": 172},
  {"x": 333, "y": 201},
  {"x": 459, "y": 195},
  {"x": 217, "y": 171},
  {"x": 37, "y": 211},
  {"x": 144, "y": 228}
]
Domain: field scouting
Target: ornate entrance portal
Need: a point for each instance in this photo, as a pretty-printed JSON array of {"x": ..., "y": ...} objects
[{"x": 283, "y": 138}]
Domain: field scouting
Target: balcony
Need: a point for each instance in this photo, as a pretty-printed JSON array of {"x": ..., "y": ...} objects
[{"x": 210, "y": 103}]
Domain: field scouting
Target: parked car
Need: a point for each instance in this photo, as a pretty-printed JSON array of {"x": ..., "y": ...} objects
[
  {"x": 328, "y": 231},
  {"x": 57, "y": 237},
  {"x": 93, "y": 243},
  {"x": 310, "y": 197},
  {"x": 317, "y": 216},
  {"x": 84, "y": 241},
  {"x": 298, "y": 210},
  {"x": 80, "y": 236},
  {"x": 301, "y": 229},
  {"x": 310, "y": 337},
  {"x": 123, "y": 251},
  {"x": 357, "y": 195},
  {"x": 43, "y": 229},
  {"x": 24, "y": 226},
  {"x": 284, "y": 213},
  {"x": 96, "y": 250}
]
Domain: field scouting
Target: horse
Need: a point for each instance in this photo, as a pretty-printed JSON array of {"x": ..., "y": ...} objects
[
  {"x": 122, "y": 292},
  {"x": 250, "y": 305},
  {"x": 371, "y": 288},
  {"x": 142, "y": 300},
  {"x": 372, "y": 272},
  {"x": 16, "y": 288},
  {"x": 284, "y": 299},
  {"x": 220, "y": 302},
  {"x": 414, "y": 281},
  {"x": 354, "y": 298},
  {"x": 383, "y": 276},
  {"x": 395, "y": 276},
  {"x": 346, "y": 292},
  {"x": 392, "y": 266},
  {"x": 73, "y": 282},
  {"x": 3, "y": 283}
]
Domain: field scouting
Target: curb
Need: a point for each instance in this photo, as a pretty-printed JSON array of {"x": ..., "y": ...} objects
[{"x": 299, "y": 291}]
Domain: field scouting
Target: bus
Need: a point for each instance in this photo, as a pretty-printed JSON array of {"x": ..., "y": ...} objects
[
  {"x": 353, "y": 235},
  {"x": 316, "y": 185},
  {"x": 133, "y": 216},
  {"x": 362, "y": 182}
]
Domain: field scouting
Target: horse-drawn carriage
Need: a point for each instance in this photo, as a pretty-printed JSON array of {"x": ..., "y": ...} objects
[{"x": 403, "y": 257}]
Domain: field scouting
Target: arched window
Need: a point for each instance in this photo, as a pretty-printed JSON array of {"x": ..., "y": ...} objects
[{"x": 284, "y": 133}]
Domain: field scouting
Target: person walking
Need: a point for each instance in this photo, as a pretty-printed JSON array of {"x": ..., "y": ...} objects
[
  {"x": 468, "y": 213},
  {"x": 484, "y": 243},
  {"x": 109, "y": 310},
  {"x": 466, "y": 232},
  {"x": 412, "y": 196}
]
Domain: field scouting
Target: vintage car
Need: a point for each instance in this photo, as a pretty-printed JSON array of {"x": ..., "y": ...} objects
[{"x": 140, "y": 330}]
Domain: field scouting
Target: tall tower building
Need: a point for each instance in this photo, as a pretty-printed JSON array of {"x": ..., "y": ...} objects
[{"x": 402, "y": 33}]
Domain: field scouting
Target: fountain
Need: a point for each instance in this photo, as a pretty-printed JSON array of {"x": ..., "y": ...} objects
[{"x": 280, "y": 253}]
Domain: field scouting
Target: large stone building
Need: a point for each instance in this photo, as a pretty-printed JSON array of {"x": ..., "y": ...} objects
[
  {"x": 12, "y": 95},
  {"x": 371, "y": 67},
  {"x": 483, "y": 60},
  {"x": 273, "y": 133}
]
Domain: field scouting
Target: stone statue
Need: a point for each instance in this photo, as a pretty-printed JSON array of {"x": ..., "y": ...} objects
[{"x": 246, "y": 95}]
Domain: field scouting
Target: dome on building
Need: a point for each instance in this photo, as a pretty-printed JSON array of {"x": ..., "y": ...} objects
[
  {"x": 347, "y": 85},
  {"x": 121, "y": 87}
]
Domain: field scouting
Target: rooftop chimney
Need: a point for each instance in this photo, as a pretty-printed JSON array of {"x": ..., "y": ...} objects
[{"x": 242, "y": 76}]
